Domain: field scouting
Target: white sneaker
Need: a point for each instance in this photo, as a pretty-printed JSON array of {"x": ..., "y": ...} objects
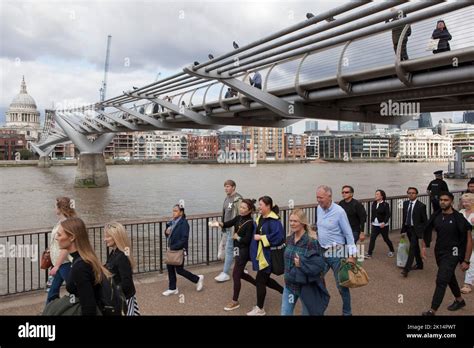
[
  {"x": 390, "y": 254},
  {"x": 170, "y": 292},
  {"x": 257, "y": 311},
  {"x": 245, "y": 271},
  {"x": 200, "y": 282},
  {"x": 222, "y": 277}
]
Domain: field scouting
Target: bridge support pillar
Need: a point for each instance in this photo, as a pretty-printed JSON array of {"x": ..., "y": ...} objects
[
  {"x": 44, "y": 162},
  {"x": 91, "y": 170}
]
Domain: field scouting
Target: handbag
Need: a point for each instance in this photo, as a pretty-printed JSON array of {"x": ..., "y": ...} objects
[
  {"x": 432, "y": 45},
  {"x": 277, "y": 255},
  {"x": 352, "y": 275},
  {"x": 46, "y": 262},
  {"x": 174, "y": 257}
]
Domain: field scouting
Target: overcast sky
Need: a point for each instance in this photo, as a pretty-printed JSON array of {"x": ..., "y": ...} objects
[{"x": 60, "y": 45}]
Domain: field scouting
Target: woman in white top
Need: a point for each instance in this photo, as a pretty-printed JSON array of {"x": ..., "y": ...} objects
[
  {"x": 59, "y": 257},
  {"x": 467, "y": 201}
]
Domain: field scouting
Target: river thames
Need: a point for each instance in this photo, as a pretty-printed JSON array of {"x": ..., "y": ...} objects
[{"x": 149, "y": 191}]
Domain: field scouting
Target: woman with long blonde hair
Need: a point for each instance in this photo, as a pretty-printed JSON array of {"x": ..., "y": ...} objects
[
  {"x": 87, "y": 271},
  {"x": 120, "y": 263},
  {"x": 467, "y": 202},
  {"x": 60, "y": 259},
  {"x": 303, "y": 260}
]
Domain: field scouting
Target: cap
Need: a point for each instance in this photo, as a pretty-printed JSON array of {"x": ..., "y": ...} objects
[{"x": 438, "y": 172}]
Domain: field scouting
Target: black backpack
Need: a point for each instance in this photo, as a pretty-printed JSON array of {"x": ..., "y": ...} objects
[{"x": 111, "y": 299}]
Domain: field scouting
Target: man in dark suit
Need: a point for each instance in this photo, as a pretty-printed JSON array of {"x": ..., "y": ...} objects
[{"x": 414, "y": 221}]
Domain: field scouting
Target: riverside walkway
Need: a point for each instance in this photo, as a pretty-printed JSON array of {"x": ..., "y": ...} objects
[{"x": 387, "y": 293}]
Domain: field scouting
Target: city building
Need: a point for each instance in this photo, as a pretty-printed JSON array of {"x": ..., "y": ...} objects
[
  {"x": 312, "y": 147},
  {"x": 22, "y": 116},
  {"x": 462, "y": 134},
  {"x": 468, "y": 117},
  {"x": 295, "y": 146},
  {"x": 203, "y": 147},
  {"x": 310, "y": 126},
  {"x": 11, "y": 142},
  {"x": 233, "y": 141},
  {"x": 267, "y": 143},
  {"x": 358, "y": 146},
  {"x": 423, "y": 145}
]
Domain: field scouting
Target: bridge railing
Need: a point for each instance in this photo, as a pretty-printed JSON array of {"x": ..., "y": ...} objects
[{"x": 20, "y": 273}]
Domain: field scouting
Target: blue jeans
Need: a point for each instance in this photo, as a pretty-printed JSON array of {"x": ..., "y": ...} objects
[
  {"x": 335, "y": 263},
  {"x": 60, "y": 277},
  {"x": 288, "y": 303},
  {"x": 229, "y": 251}
]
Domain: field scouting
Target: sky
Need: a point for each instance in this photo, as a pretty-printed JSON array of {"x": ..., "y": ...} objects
[{"x": 59, "y": 46}]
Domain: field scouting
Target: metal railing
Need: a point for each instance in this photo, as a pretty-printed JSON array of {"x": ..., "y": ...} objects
[{"x": 23, "y": 274}]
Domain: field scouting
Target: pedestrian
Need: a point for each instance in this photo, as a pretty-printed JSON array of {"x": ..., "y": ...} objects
[
  {"x": 60, "y": 258},
  {"x": 380, "y": 216},
  {"x": 414, "y": 221},
  {"x": 269, "y": 233},
  {"x": 230, "y": 210},
  {"x": 87, "y": 272},
  {"x": 397, "y": 32},
  {"x": 336, "y": 238},
  {"x": 256, "y": 80},
  {"x": 120, "y": 263},
  {"x": 435, "y": 187},
  {"x": 453, "y": 246},
  {"x": 244, "y": 230},
  {"x": 441, "y": 32},
  {"x": 177, "y": 238},
  {"x": 467, "y": 201},
  {"x": 304, "y": 269},
  {"x": 355, "y": 212}
]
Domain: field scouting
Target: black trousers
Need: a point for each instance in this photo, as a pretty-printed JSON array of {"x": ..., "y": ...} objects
[
  {"x": 435, "y": 204},
  {"x": 238, "y": 273},
  {"x": 172, "y": 270},
  {"x": 262, "y": 281},
  {"x": 414, "y": 253},
  {"x": 376, "y": 230},
  {"x": 446, "y": 276}
]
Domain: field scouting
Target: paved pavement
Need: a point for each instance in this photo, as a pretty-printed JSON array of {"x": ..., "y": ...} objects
[{"x": 387, "y": 293}]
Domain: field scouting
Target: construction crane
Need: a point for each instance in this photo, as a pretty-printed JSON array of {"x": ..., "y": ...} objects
[{"x": 103, "y": 89}]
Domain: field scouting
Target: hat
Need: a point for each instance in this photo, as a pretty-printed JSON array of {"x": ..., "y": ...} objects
[{"x": 438, "y": 172}]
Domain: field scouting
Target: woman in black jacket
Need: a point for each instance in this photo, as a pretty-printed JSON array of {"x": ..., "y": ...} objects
[
  {"x": 244, "y": 227},
  {"x": 120, "y": 263},
  {"x": 177, "y": 237},
  {"x": 86, "y": 273},
  {"x": 380, "y": 222},
  {"x": 441, "y": 33}
]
